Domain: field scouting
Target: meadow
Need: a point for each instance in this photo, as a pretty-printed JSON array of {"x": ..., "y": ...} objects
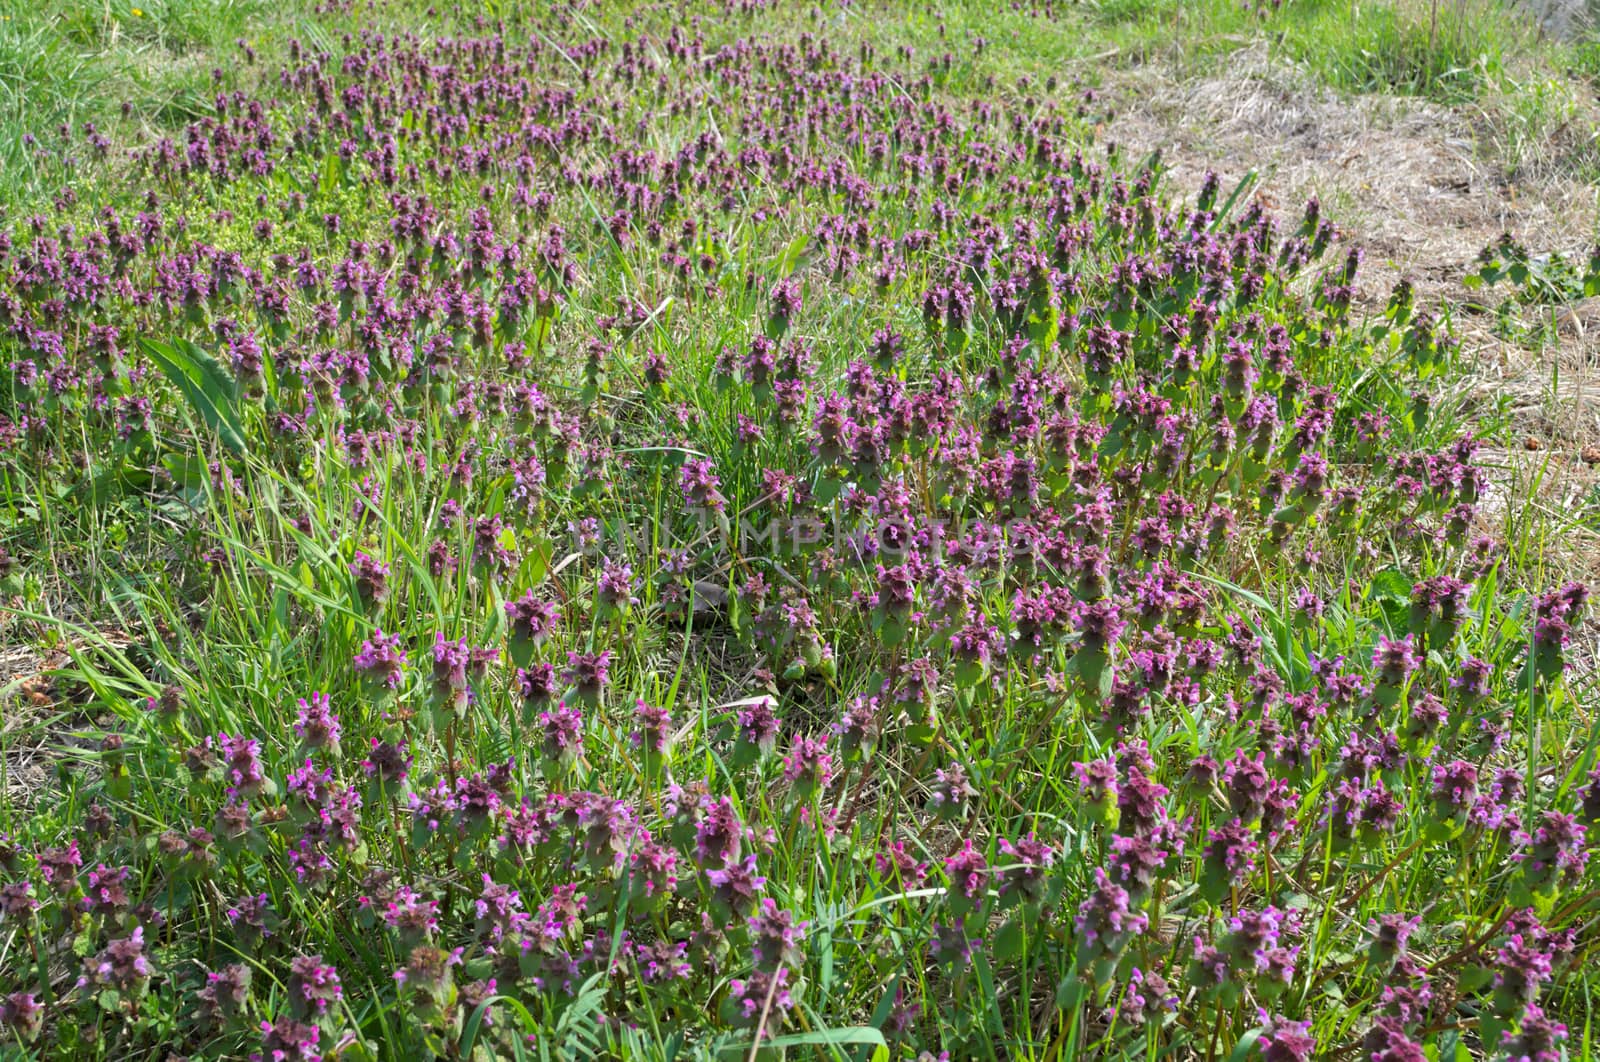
[{"x": 744, "y": 530}]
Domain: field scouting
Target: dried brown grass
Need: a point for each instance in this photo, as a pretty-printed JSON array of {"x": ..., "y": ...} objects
[{"x": 1424, "y": 188}]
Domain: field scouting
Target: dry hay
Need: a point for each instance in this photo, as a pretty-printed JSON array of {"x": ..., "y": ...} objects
[
  {"x": 1410, "y": 181},
  {"x": 1402, "y": 175},
  {"x": 25, "y": 758},
  {"x": 39, "y": 716}
]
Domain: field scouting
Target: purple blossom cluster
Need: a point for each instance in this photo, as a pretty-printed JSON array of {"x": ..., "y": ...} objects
[{"x": 1023, "y": 589}]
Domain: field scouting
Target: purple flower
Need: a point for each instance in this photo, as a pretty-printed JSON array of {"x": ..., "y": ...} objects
[
  {"x": 860, "y": 728},
  {"x": 1100, "y": 624},
  {"x": 1097, "y": 780},
  {"x": 1247, "y": 785},
  {"x": 588, "y": 674},
  {"x": 474, "y": 800},
  {"x": 1105, "y": 920},
  {"x": 762, "y": 992},
  {"x": 1251, "y": 931},
  {"x": 786, "y": 301},
  {"x": 381, "y": 660},
  {"x": 1024, "y": 878},
  {"x": 700, "y": 485},
  {"x": 1555, "y": 614},
  {"x": 1282, "y": 1040},
  {"x": 758, "y": 725},
  {"x": 17, "y": 902},
  {"x": 1471, "y": 680},
  {"x": 252, "y": 918},
  {"x": 563, "y": 734},
  {"x": 242, "y": 764},
  {"x": 1390, "y": 933},
  {"x": 896, "y": 864},
  {"x": 23, "y": 1014},
  {"x": 615, "y": 588},
  {"x": 1210, "y": 968},
  {"x": 413, "y": 917},
  {"x": 1145, "y": 997},
  {"x": 1387, "y": 1041},
  {"x": 106, "y": 891},
  {"x": 311, "y": 789},
  {"x": 718, "y": 835},
  {"x": 652, "y": 869},
  {"x": 976, "y": 643},
  {"x": 1229, "y": 854},
  {"x": 121, "y": 965},
  {"x": 952, "y": 794},
  {"x": 499, "y": 909},
  {"x": 1139, "y": 802},
  {"x": 387, "y": 761},
  {"x": 1455, "y": 787},
  {"x": 450, "y": 663},
  {"x": 775, "y": 936},
  {"x": 536, "y": 685},
  {"x": 427, "y": 971},
  {"x": 309, "y": 862},
  {"x": 896, "y": 592},
  {"x": 531, "y": 620},
  {"x": 1537, "y": 1038},
  {"x": 663, "y": 960},
  {"x": 736, "y": 885},
  {"x": 1428, "y": 716},
  {"x": 1555, "y": 851},
  {"x": 966, "y": 870},
  {"x": 950, "y": 945},
  {"x": 288, "y": 1040},
  {"x": 372, "y": 579},
  {"x": 317, "y": 726},
  {"x": 1135, "y": 862},
  {"x": 654, "y": 732},
  {"x": 1522, "y": 964},
  {"x": 1394, "y": 661},
  {"x": 809, "y": 765},
  {"x": 225, "y": 995},
  {"x": 313, "y": 986}
]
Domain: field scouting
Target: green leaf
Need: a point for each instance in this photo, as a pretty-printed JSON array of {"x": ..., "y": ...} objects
[
  {"x": 1247, "y": 182},
  {"x": 1491, "y": 1028},
  {"x": 1241, "y": 1050},
  {"x": 795, "y": 257},
  {"x": 332, "y": 174},
  {"x": 854, "y": 1034},
  {"x": 469, "y": 1032},
  {"x": 218, "y": 384},
  {"x": 1254, "y": 598},
  {"x": 1452, "y": 1049},
  {"x": 1009, "y": 941},
  {"x": 204, "y": 383},
  {"x": 1474, "y": 978},
  {"x": 1069, "y": 993}
]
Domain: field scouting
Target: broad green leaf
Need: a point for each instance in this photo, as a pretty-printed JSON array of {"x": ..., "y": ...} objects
[{"x": 200, "y": 380}]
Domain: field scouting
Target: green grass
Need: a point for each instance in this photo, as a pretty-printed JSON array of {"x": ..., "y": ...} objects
[
  {"x": 134, "y": 70},
  {"x": 1450, "y": 51}
]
